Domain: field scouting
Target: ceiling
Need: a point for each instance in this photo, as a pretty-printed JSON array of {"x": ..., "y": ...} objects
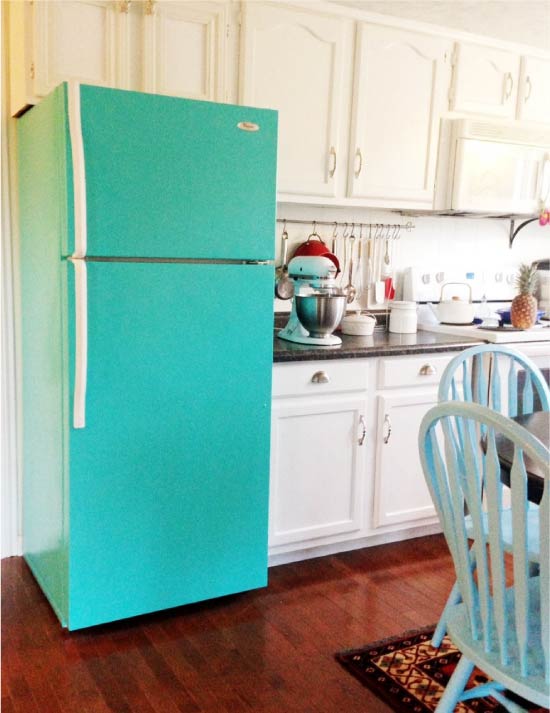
[{"x": 524, "y": 21}]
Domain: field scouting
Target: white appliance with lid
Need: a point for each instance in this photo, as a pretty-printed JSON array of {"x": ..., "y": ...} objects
[
  {"x": 491, "y": 290},
  {"x": 492, "y": 167}
]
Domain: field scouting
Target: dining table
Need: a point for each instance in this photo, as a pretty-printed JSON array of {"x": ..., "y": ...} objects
[{"x": 537, "y": 423}]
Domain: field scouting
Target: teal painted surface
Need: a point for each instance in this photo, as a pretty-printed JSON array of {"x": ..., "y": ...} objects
[
  {"x": 169, "y": 479},
  {"x": 478, "y": 369},
  {"x": 484, "y": 384},
  {"x": 504, "y": 630},
  {"x": 166, "y": 489},
  {"x": 170, "y": 177},
  {"x": 43, "y": 229}
]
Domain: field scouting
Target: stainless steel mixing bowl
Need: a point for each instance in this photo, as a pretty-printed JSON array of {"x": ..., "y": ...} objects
[{"x": 320, "y": 314}]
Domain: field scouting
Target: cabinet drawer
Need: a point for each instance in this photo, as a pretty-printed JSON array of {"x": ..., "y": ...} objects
[
  {"x": 319, "y": 377},
  {"x": 412, "y": 371}
]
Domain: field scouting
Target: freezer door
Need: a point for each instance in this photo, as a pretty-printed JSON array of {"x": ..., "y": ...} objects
[
  {"x": 169, "y": 476},
  {"x": 171, "y": 177}
]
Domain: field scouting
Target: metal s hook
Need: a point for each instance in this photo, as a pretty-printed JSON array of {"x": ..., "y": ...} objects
[
  {"x": 314, "y": 233},
  {"x": 334, "y": 236},
  {"x": 345, "y": 232},
  {"x": 396, "y": 231}
]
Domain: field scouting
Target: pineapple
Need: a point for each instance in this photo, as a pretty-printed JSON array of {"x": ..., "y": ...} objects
[{"x": 523, "y": 312}]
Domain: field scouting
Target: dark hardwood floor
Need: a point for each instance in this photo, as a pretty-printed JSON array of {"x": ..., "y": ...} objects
[{"x": 270, "y": 650}]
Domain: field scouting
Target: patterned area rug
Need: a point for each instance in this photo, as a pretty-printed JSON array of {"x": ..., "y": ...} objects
[{"x": 410, "y": 675}]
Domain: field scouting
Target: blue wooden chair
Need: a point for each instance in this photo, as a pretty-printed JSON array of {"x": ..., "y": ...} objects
[
  {"x": 505, "y": 631},
  {"x": 506, "y": 381},
  {"x": 498, "y": 377}
]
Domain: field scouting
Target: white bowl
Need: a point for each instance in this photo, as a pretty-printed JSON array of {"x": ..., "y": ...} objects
[{"x": 358, "y": 325}]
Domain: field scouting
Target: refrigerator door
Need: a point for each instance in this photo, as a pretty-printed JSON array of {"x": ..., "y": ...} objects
[
  {"x": 169, "y": 477},
  {"x": 171, "y": 177}
]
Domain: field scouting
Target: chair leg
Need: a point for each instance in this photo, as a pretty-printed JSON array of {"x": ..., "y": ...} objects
[
  {"x": 455, "y": 687},
  {"x": 441, "y": 628}
]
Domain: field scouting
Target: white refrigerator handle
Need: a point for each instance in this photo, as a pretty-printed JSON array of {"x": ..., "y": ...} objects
[
  {"x": 79, "y": 170},
  {"x": 81, "y": 342}
]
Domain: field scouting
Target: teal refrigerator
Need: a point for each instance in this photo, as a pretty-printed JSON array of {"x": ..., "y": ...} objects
[{"x": 147, "y": 239}]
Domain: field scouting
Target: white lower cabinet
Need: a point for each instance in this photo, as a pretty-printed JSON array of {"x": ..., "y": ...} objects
[
  {"x": 318, "y": 445},
  {"x": 317, "y": 468},
  {"x": 400, "y": 492},
  {"x": 345, "y": 468}
]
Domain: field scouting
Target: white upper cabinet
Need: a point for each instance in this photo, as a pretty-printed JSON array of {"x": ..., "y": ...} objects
[
  {"x": 485, "y": 81},
  {"x": 184, "y": 49},
  {"x": 534, "y": 90},
  {"x": 51, "y": 42},
  {"x": 76, "y": 40},
  {"x": 400, "y": 92},
  {"x": 299, "y": 63},
  {"x": 176, "y": 48}
]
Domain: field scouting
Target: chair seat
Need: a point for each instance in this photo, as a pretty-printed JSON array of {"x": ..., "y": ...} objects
[
  {"x": 532, "y": 687},
  {"x": 533, "y": 548}
]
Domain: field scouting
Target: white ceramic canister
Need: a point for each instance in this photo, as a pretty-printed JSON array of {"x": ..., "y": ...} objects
[{"x": 403, "y": 318}]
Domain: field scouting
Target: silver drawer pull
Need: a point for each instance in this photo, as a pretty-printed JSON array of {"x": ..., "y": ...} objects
[
  {"x": 427, "y": 370},
  {"x": 320, "y": 377},
  {"x": 387, "y": 426},
  {"x": 361, "y": 438}
]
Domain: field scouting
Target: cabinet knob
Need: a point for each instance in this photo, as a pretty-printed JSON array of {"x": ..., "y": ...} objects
[
  {"x": 427, "y": 370},
  {"x": 320, "y": 377},
  {"x": 509, "y": 85},
  {"x": 358, "y": 156},
  {"x": 361, "y": 438},
  {"x": 387, "y": 427},
  {"x": 332, "y": 154},
  {"x": 528, "y": 89}
]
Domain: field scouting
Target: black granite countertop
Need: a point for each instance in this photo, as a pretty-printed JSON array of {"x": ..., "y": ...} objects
[{"x": 382, "y": 343}]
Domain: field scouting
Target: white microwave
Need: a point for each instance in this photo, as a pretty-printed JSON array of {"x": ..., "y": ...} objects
[{"x": 492, "y": 168}]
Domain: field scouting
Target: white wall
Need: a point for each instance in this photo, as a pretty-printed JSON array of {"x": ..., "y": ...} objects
[{"x": 10, "y": 447}]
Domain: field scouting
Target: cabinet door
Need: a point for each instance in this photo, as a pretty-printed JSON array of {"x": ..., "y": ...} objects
[
  {"x": 485, "y": 81},
  {"x": 534, "y": 90},
  {"x": 77, "y": 40},
  {"x": 295, "y": 62},
  {"x": 401, "y": 493},
  {"x": 401, "y": 82},
  {"x": 184, "y": 49},
  {"x": 317, "y": 466}
]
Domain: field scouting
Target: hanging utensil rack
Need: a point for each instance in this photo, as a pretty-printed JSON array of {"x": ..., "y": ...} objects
[
  {"x": 370, "y": 269},
  {"x": 335, "y": 224}
]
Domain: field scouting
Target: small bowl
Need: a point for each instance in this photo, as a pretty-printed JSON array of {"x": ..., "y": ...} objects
[
  {"x": 320, "y": 314},
  {"x": 358, "y": 325}
]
